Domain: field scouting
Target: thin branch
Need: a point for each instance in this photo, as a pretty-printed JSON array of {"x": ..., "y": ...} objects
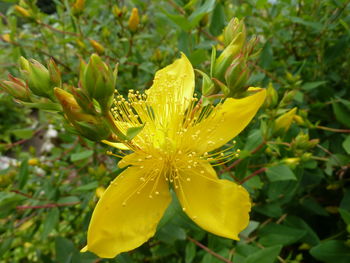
[
  {"x": 205, "y": 248},
  {"x": 238, "y": 161},
  {"x": 332, "y": 129},
  {"x": 24, "y": 207},
  {"x": 177, "y": 7},
  {"x": 259, "y": 171}
]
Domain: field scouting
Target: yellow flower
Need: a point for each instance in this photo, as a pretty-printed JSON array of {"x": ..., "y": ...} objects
[{"x": 172, "y": 151}]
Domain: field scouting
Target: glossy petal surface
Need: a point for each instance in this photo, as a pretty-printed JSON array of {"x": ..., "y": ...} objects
[
  {"x": 224, "y": 122},
  {"x": 219, "y": 206},
  {"x": 171, "y": 92},
  {"x": 128, "y": 213}
]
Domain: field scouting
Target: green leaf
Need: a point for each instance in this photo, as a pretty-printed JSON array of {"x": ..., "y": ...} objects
[
  {"x": 218, "y": 21},
  {"x": 345, "y": 202},
  {"x": 315, "y": 25},
  {"x": 266, "y": 55},
  {"x": 342, "y": 113},
  {"x": 190, "y": 252},
  {"x": 64, "y": 250},
  {"x": 47, "y": 106},
  {"x": 23, "y": 133},
  {"x": 274, "y": 234},
  {"x": 254, "y": 139},
  {"x": 169, "y": 233},
  {"x": 312, "y": 85},
  {"x": 198, "y": 56},
  {"x": 9, "y": 201},
  {"x": 346, "y": 144},
  {"x": 311, "y": 237},
  {"x": 212, "y": 60},
  {"x": 86, "y": 187},
  {"x": 180, "y": 20},
  {"x": 280, "y": 173},
  {"x": 23, "y": 174},
  {"x": 50, "y": 222},
  {"x": 199, "y": 12},
  {"x": 313, "y": 206},
  {"x": 124, "y": 258},
  {"x": 253, "y": 225},
  {"x": 331, "y": 251},
  {"x": 345, "y": 215},
  {"x": 5, "y": 245},
  {"x": 81, "y": 155},
  {"x": 68, "y": 200},
  {"x": 265, "y": 255},
  {"x": 270, "y": 209}
]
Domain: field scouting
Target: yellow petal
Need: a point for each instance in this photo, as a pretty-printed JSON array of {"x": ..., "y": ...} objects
[
  {"x": 172, "y": 91},
  {"x": 127, "y": 214},
  {"x": 225, "y": 122},
  {"x": 219, "y": 206},
  {"x": 134, "y": 159},
  {"x": 117, "y": 145}
]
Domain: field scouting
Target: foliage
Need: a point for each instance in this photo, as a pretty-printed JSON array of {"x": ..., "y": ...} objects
[{"x": 294, "y": 156}]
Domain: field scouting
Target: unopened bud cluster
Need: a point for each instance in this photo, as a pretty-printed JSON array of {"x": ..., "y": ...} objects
[
  {"x": 86, "y": 107},
  {"x": 229, "y": 71}
]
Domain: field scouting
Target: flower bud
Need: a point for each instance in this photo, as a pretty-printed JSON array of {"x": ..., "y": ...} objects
[
  {"x": 97, "y": 46},
  {"x": 37, "y": 77},
  {"x": 117, "y": 12},
  {"x": 33, "y": 161},
  {"x": 271, "y": 96},
  {"x": 54, "y": 72},
  {"x": 16, "y": 88},
  {"x": 283, "y": 122},
  {"x": 22, "y": 11},
  {"x": 98, "y": 80},
  {"x": 6, "y": 38},
  {"x": 225, "y": 59},
  {"x": 292, "y": 162},
  {"x": 87, "y": 125},
  {"x": 208, "y": 86},
  {"x": 134, "y": 20},
  {"x": 78, "y": 7},
  {"x": 288, "y": 98},
  {"x": 233, "y": 29},
  {"x": 236, "y": 76},
  {"x": 302, "y": 141}
]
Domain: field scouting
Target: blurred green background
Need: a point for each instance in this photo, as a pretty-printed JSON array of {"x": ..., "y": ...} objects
[{"x": 298, "y": 173}]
